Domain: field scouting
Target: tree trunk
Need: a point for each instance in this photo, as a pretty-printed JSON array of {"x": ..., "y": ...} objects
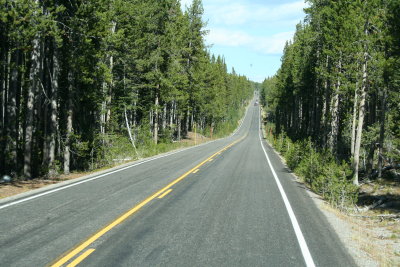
[
  {"x": 333, "y": 137},
  {"x": 164, "y": 117},
  {"x": 382, "y": 117},
  {"x": 128, "y": 127},
  {"x": 371, "y": 111},
  {"x": 53, "y": 112},
  {"x": 354, "y": 122},
  {"x": 103, "y": 112},
  {"x": 34, "y": 76},
  {"x": 155, "y": 132},
  {"x": 370, "y": 157},
  {"x": 67, "y": 156},
  {"x": 192, "y": 120},
  {"x": 151, "y": 121},
  {"x": 3, "y": 106},
  {"x": 187, "y": 121},
  {"x": 179, "y": 127},
  {"x": 108, "y": 88},
  {"x": 361, "y": 116},
  {"x": 12, "y": 111},
  {"x": 326, "y": 107},
  {"x": 171, "y": 114},
  {"x": 135, "y": 108}
]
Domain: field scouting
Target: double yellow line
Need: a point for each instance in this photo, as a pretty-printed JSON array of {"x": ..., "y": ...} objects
[{"x": 123, "y": 217}]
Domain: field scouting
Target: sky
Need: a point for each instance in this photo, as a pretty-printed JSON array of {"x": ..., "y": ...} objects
[{"x": 251, "y": 34}]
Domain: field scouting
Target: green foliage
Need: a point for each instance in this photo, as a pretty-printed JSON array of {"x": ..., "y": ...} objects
[
  {"x": 112, "y": 65},
  {"x": 317, "y": 169},
  {"x": 296, "y": 152},
  {"x": 113, "y": 149},
  {"x": 342, "y": 54}
]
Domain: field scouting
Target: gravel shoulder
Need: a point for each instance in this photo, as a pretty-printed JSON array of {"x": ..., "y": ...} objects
[{"x": 370, "y": 238}]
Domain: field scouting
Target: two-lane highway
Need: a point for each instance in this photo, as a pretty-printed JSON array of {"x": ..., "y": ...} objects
[{"x": 217, "y": 204}]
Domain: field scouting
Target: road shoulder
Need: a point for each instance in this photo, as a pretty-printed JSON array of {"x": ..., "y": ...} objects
[{"x": 369, "y": 241}]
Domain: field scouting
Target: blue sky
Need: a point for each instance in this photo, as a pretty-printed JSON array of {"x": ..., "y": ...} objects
[{"x": 251, "y": 34}]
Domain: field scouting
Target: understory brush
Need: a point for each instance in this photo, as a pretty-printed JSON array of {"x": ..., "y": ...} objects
[
  {"x": 115, "y": 148},
  {"x": 318, "y": 169}
]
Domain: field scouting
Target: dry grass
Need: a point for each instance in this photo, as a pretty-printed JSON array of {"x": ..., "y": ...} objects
[
  {"x": 377, "y": 239},
  {"x": 18, "y": 187},
  {"x": 193, "y": 139}
]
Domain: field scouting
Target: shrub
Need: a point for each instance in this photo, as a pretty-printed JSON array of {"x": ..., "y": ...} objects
[
  {"x": 309, "y": 168},
  {"x": 319, "y": 170},
  {"x": 297, "y": 151},
  {"x": 336, "y": 188},
  {"x": 280, "y": 143}
]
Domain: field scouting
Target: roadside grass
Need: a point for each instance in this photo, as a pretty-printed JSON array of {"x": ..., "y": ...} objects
[
  {"x": 113, "y": 160},
  {"x": 119, "y": 152},
  {"x": 375, "y": 230}
]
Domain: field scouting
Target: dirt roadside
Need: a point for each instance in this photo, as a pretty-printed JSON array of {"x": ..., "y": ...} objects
[
  {"x": 18, "y": 187},
  {"x": 370, "y": 232}
]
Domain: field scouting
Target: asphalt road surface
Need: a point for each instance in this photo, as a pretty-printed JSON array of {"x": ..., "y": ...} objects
[{"x": 230, "y": 202}]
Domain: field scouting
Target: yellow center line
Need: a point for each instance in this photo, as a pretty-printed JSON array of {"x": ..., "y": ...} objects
[
  {"x": 69, "y": 255},
  {"x": 165, "y": 193},
  {"x": 210, "y": 159},
  {"x": 195, "y": 171},
  {"x": 81, "y": 258}
]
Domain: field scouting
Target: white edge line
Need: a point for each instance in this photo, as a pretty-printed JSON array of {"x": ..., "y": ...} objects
[
  {"x": 112, "y": 172},
  {"x": 241, "y": 123},
  {"x": 300, "y": 238}
]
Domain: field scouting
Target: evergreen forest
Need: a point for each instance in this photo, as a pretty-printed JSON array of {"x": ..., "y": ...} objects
[
  {"x": 85, "y": 82},
  {"x": 336, "y": 97}
]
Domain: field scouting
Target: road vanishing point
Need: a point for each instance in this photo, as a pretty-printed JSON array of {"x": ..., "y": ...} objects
[{"x": 229, "y": 202}]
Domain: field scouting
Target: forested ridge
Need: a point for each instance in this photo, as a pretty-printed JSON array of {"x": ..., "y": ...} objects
[
  {"x": 336, "y": 97},
  {"x": 82, "y": 82}
]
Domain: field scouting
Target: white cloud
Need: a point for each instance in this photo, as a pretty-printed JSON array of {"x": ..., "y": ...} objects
[
  {"x": 228, "y": 38},
  {"x": 238, "y": 12},
  {"x": 273, "y": 44}
]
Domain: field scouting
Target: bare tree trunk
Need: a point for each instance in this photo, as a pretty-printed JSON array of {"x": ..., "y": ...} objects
[
  {"x": 192, "y": 120},
  {"x": 128, "y": 127},
  {"x": 171, "y": 114},
  {"x": 67, "y": 156},
  {"x": 174, "y": 113},
  {"x": 108, "y": 89},
  {"x": 361, "y": 116},
  {"x": 179, "y": 127},
  {"x": 326, "y": 107},
  {"x": 155, "y": 136},
  {"x": 187, "y": 121},
  {"x": 103, "y": 111},
  {"x": 32, "y": 91},
  {"x": 53, "y": 115},
  {"x": 5, "y": 71},
  {"x": 151, "y": 121},
  {"x": 333, "y": 136},
  {"x": 354, "y": 122},
  {"x": 371, "y": 110},
  {"x": 164, "y": 117},
  {"x": 382, "y": 132},
  {"x": 135, "y": 108},
  {"x": 12, "y": 111}
]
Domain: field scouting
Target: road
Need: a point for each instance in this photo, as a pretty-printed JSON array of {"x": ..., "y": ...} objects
[{"x": 217, "y": 204}]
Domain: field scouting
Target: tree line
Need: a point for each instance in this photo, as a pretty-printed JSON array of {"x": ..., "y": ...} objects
[
  {"x": 339, "y": 84},
  {"x": 76, "y": 76}
]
